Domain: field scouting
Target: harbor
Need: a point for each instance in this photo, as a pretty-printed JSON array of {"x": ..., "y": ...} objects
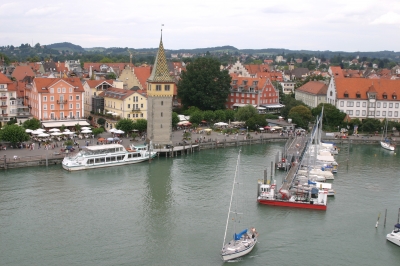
[{"x": 135, "y": 214}]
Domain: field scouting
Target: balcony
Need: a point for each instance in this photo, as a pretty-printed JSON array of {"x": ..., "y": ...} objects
[
  {"x": 3, "y": 114},
  {"x": 30, "y": 106},
  {"x": 3, "y": 106},
  {"x": 26, "y": 97},
  {"x": 62, "y": 101},
  {"x": 3, "y": 98},
  {"x": 135, "y": 110}
]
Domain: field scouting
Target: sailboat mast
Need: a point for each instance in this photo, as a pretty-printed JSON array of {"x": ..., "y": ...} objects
[{"x": 230, "y": 203}]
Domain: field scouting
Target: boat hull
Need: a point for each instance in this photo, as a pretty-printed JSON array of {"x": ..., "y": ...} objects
[
  {"x": 232, "y": 256},
  {"x": 387, "y": 146},
  {"x": 392, "y": 238},
  {"x": 293, "y": 204}
]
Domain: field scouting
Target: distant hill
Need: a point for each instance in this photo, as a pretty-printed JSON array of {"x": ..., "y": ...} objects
[{"x": 66, "y": 46}]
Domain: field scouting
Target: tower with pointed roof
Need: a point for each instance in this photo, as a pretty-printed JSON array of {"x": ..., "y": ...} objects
[{"x": 160, "y": 92}]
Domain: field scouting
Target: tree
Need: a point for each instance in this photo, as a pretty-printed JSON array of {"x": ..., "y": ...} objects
[
  {"x": 32, "y": 124},
  {"x": 12, "y": 121},
  {"x": 229, "y": 115},
  {"x": 219, "y": 115},
  {"x": 244, "y": 113},
  {"x": 175, "y": 119},
  {"x": 13, "y": 134},
  {"x": 141, "y": 125},
  {"x": 101, "y": 121},
  {"x": 78, "y": 127},
  {"x": 371, "y": 125},
  {"x": 125, "y": 125},
  {"x": 289, "y": 103},
  {"x": 209, "y": 116},
  {"x": 333, "y": 117},
  {"x": 300, "y": 115},
  {"x": 204, "y": 85},
  {"x": 97, "y": 131},
  {"x": 111, "y": 75},
  {"x": 196, "y": 117}
]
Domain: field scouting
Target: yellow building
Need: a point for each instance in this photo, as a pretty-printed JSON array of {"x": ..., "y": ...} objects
[{"x": 120, "y": 103}]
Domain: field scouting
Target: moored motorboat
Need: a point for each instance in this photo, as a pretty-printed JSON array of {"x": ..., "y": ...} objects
[
  {"x": 99, "y": 156},
  {"x": 394, "y": 236}
]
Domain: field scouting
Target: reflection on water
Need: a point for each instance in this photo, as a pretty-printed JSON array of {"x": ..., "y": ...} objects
[{"x": 173, "y": 212}]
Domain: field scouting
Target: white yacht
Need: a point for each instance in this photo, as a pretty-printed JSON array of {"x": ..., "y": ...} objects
[
  {"x": 99, "y": 156},
  {"x": 394, "y": 236}
]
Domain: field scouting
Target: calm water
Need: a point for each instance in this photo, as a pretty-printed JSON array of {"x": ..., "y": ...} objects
[{"x": 173, "y": 212}]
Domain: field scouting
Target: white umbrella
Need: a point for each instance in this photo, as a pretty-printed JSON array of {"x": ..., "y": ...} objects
[
  {"x": 67, "y": 130},
  {"x": 119, "y": 131},
  {"x": 43, "y": 135},
  {"x": 28, "y": 130},
  {"x": 56, "y": 134},
  {"x": 86, "y": 131},
  {"x": 36, "y": 132},
  {"x": 54, "y": 130},
  {"x": 113, "y": 130},
  {"x": 40, "y": 129},
  {"x": 68, "y": 133},
  {"x": 86, "y": 128},
  {"x": 109, "y": 112}
]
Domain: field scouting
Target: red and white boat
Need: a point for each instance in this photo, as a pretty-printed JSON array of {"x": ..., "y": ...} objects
[{"x": 315, "y": 199}]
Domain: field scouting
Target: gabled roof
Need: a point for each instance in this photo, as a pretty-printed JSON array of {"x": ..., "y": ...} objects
[
  {"x": 253, "y": 69},
  {"x": 48, "y": 82},
  {"x": 142, "y": 73},
  {"x": 60, "y": 67},
  {"x": 337, "y": 71},
  {"x": 20, "y": 72},
  {"x": 160, "y": 71},
  {"x": 96, "y": 83},
  {"x": 4, "y": 79},
  {"x": 314, "y": 87},
  {"x": 260, "y": 82},
  {"x": 361, "y": 86}
]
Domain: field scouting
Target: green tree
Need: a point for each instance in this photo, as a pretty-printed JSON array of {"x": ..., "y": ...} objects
[
  {"x": 101, "y": 121},
  {"x": 62, "y": 128},
  {"x": 175, "y": 119},
  {"x": 32, "y": 124},
  {"x": 125, "y": 125},
  {"x": 106, "y": 60},
  {"x": 191, "y": 110},
  {"x": 209, "y": 116},
  {"x": 78, "y": 127},
  {"x": 141, "y": 125},
  {"x": 289, "y": 103},
  {"x": 332, "y": 116},
  {"x": 371, "y": 125},
  {"x": 111, "y": 75},
  {"x": 97, "y": 131},
  {"x": 12, "y": 121},
  {"x": 196, "y": 117},
  {"x": 219, "y": 115},
  {"x": 204, "y": 85},
  {"x": 244, "y": 113},
  {"x": 229, "y": 115},
  {"x": 300, "y": 111},
  {"x": 13, "y": 134}
]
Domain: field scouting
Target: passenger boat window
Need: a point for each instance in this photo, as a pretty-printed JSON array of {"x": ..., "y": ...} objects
[
  {"x": 120, "y": 158},
  {"x": 108, "y": 159},
  {"x": 90, "y": 161},
  {"x": 113, "y": 159}
]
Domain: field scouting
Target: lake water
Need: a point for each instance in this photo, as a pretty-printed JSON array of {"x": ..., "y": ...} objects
[{"x": 173, "y": 212}]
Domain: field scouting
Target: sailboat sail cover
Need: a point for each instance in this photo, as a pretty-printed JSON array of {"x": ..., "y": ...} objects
[{"x": 238, "y": 236}]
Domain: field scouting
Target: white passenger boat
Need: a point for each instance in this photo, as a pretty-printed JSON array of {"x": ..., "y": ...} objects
[
  {"x": 99, "y": 156},
  {"x": 394, "y": 236}
]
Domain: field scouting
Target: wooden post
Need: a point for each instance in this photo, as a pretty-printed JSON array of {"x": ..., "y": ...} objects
[
  {"x": 384, "y": 223},
  {"x": 5, "y": 161}
]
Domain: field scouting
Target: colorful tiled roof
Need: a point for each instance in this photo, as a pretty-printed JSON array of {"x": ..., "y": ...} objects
[
  {"x": 354, "y": 86},
  {"x": 314, "y": 87},
  {"x": 160, "y": 72},
  {"x": 20, "y": 72},
  {"x": 48, "y": 82}
]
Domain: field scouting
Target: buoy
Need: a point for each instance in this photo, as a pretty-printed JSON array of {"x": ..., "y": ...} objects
[{"x": 375, "y": 155}]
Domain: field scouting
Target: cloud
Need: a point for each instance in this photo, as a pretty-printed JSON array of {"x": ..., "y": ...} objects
[
  {"x": 39, "y": 11},
  {"x": 388, "y": 18}
]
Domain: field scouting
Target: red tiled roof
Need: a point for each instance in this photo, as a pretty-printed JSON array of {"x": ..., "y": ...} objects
[
  {"x": 261, "y": 82},
  {"x": 95, "y": 83},
  {"x": 4, "y": 79},
  {"x": 142, "y": 73},
  {"x": 337, "y": 71},
  {"x": 48, "y": 82},
  {"x": 362, "y": 86},
  {"x": 253, "y": 69},
  {"x": 60, "y": 67},
  {"x": 314, "y": 87},
  {"x": 20, "y": 72},
  {"x": 115, "y": 93}
]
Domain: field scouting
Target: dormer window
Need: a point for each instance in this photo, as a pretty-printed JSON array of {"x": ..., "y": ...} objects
[
  {"x": 358, "y": 95},
  {"x": 244, "y": 82},
  {"x": 394, "y": 96},
  {"x": 372, "y": 96},
  {"x": 346, "y": 95},
  {"x": 234, "y": 82},
  {"x": 255, "y": 83},
  {"x": 384, "y": 96}
]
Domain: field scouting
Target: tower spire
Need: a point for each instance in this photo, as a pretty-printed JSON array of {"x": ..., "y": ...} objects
[{"x": 160, "y": 72}]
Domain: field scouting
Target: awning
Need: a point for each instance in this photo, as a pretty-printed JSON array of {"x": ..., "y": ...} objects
[
  {"x": 242, "y": 105},
  {"x": 69, "y": 123}
]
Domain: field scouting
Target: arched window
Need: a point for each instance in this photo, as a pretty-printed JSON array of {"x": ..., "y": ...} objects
[
  {"x": 162, "y": 102},
  {"x": 161, "y": 114}
]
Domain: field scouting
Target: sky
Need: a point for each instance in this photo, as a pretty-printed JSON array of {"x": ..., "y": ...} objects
[{"x": 340, "y": 25}]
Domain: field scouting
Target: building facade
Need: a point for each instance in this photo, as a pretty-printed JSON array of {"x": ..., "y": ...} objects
[
  {"x": 160, "y": 92},
  {"x": 312, "y": 93},
  {"x": 55, "y": 98},
  {"x": 93, "y": 88}
]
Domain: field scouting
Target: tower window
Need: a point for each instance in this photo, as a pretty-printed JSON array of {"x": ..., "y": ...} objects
[
  {"x": 161, "y": 125},
  {"x": 166, "y": 87},
  {"x": 161, "y": 114},
  {"x": 158, "y": 87},
  {"x": 162, "y": 102}
]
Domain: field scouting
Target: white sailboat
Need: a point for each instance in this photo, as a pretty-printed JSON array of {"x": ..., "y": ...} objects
[
  {"x": 394, "y": 236},
  {"x": 243, "y": 242},
  {"x": 385, "y": 143}
]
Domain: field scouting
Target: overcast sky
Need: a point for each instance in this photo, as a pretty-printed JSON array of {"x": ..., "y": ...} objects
[{"x": 340, "y": 25}]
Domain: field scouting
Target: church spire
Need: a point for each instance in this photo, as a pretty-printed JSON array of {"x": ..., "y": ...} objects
[{"x": 160, "y": 72}]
